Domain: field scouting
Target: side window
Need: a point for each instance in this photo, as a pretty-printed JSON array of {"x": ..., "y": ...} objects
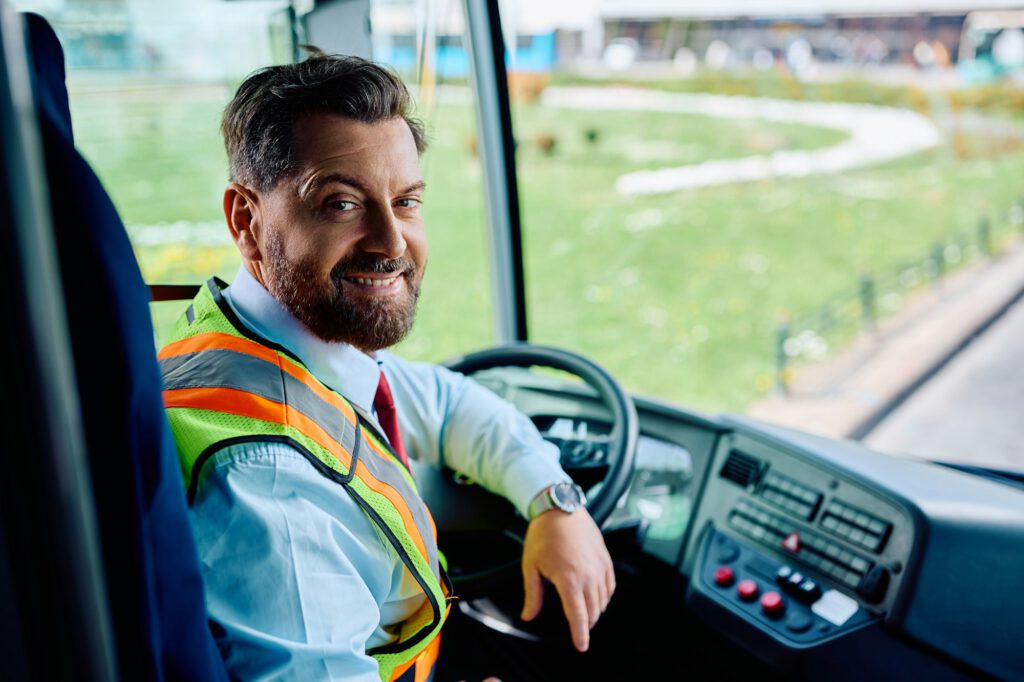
[{"x": 147, "y": 93}]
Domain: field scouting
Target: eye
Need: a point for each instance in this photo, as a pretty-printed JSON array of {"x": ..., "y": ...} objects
[
  {"x": 341, "y": 205},
  {"x": 408, "y": 202}
]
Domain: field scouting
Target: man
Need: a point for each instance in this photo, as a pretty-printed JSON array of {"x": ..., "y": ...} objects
[{"x": 293, "y": 424}]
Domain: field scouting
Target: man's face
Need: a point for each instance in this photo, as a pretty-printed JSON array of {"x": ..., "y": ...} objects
[{"x": 341, "y": 240}]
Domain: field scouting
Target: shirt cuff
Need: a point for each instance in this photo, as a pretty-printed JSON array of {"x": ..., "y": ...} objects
[{"x": 529, "y": 475}]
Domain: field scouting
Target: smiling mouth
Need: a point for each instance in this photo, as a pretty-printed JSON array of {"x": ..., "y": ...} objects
[{"x": 379, "y": 282}]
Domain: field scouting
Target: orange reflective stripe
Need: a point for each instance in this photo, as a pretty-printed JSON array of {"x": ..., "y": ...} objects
[
  {"x": 228, "y": 400},
  {"x": 222, "y": 341},
  {"x": 245, "y": 404},
  {"x": 424, "y": 662},
  {"x": 226, "y": 371},
  {"x": 427, "y": 659},
  {"x": 388, "y": 456},
  {"x": 399, "y": 503},
  {"x": 397, "y": 673}
]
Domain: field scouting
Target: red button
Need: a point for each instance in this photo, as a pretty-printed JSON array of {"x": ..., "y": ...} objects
[
  {"x": 772, "y": 604},
  {"x": 724, "y": 576},
  {"x": 747, "y": 589}
]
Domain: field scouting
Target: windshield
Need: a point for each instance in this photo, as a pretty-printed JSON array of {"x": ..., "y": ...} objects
[
  {"x": 797, "y": 214},
  {"x": 800, "y": 215}
]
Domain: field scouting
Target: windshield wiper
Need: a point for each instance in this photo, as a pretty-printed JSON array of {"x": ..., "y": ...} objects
[{"x": 1011, "y": 478}]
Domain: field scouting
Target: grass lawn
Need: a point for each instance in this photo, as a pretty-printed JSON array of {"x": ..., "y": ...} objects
[{"x": 678, "y": 295}]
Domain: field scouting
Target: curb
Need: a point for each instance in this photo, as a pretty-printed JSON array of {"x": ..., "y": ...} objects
[{"x": 865, "y": 428}]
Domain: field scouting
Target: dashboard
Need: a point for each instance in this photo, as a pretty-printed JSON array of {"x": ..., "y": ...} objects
[
  {"x": 820, "y": 557},
  {"x": 812, "y": 553}
]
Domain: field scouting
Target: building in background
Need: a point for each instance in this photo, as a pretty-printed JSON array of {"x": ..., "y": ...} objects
[
  {"x": 736, "y": 34},
  {"x": 164, "y": 38}
]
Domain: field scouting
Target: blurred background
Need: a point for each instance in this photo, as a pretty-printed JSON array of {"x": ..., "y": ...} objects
[{"x": 730, "y": 205}]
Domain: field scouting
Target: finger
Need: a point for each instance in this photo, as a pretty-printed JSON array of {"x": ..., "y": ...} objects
[
  {"x": 610, "y": 581},
  {"x": 575, "y": 607},
  {"x": 602, "y": 595},
  {"x": 593, "y": 597},
  {"x": 533, "y": 589}
]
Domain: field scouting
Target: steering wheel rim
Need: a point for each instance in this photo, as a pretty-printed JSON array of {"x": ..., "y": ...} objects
[{"x": 625, "y": 423}]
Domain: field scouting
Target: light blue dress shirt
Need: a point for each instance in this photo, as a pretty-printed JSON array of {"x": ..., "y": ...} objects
[{"x": 299, "y": 582}]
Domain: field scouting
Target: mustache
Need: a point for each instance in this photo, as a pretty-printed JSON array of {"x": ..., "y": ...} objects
[{"x": 364, "y": 263}]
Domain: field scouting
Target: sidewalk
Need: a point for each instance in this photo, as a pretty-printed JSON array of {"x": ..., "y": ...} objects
[
  {"x": 846, "y": 396},
  {"x": 873, "y": 134}
]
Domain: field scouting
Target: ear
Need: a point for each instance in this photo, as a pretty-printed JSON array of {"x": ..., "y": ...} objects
[{"x": 241, "y": 209}]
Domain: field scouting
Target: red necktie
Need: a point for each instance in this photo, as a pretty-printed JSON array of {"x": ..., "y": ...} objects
[{"x": 387, "y": 416}]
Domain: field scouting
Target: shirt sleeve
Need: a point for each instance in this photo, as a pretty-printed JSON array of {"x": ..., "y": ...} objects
[
  {"x": 292, "y": 568},
  {"x": 453, "y": 421}
]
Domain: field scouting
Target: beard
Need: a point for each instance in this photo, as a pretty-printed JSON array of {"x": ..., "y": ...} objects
[{"x": 366, "y": 322}]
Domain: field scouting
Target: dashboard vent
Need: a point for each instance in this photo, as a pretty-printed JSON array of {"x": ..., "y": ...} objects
[{"x": 741, "y": 469}]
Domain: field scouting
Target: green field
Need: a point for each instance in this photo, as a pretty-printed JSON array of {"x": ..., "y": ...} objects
[{"x": 677, "y": 294}]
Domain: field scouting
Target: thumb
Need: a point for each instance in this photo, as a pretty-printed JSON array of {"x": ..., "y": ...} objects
[{"x": 533, "y": 586}]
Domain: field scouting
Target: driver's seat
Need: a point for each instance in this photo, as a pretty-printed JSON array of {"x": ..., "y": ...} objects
[{"x": 149, "y": 560}]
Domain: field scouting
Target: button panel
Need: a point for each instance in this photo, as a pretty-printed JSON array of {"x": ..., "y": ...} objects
[
  {"x": 856, "y": 526},
  {"x": 796, "y": 584},
  {"x": 768, "y": 593},
  {"x": 787, "y": 494},
  {"x": 813, "y": 549}
]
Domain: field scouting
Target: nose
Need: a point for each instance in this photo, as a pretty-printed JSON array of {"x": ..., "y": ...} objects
[{"x": 384, "y": 234}]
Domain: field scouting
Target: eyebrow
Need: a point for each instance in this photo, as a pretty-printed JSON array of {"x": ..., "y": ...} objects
[{"x": 342, "y": 179}]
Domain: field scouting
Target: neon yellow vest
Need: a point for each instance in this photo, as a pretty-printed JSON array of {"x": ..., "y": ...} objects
[{"x": 223, "y": 384}]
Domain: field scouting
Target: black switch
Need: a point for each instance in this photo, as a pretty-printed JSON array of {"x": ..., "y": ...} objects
[
  {"x": 808, "y": 592},
  {"x": 727, "y": 552},
  {"x": 873, "y": 585},
  {"x": 798, "y": 621}
]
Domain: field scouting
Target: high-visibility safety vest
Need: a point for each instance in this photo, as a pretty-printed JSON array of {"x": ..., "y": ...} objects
[{"x": 224, "y": 384}]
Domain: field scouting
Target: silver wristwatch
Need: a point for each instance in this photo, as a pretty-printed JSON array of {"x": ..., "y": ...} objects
[{"x": 565, "y": 496}]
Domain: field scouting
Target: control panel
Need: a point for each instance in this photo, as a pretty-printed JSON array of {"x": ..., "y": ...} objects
[
  {"x": 815, "y": 550},
  {"x": 801, "y": 550},
  {"x": 776, "y": 595}
]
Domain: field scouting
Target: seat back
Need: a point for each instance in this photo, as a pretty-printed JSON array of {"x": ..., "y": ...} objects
[{"x": 149, "y": 559}]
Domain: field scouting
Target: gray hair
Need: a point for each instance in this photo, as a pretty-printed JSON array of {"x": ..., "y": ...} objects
[{"x": 259, "y": 122}]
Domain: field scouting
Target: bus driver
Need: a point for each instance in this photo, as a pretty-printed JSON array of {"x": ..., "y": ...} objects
[{"x": 294, "y": 425}]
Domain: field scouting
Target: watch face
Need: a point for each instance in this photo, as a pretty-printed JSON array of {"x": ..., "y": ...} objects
[{"x": 567, "y": 496}]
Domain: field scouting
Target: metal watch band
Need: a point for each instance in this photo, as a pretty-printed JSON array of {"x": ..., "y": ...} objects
[{"x": 547, "y": 499}]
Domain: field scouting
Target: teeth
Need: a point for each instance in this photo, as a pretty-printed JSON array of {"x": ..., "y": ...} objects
[{"x": 373, "y": 282}]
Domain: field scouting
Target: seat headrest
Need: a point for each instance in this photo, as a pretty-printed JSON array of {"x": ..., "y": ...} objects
[{"x": 47, "y": 63}]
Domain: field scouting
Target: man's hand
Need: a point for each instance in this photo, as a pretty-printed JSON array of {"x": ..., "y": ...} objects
[{"x": 568, "y": 550}]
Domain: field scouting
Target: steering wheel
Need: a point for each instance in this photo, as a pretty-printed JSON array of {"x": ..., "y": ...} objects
[
  {"x": 492, "y": 515},
  {"x": 623, "y": 436}
]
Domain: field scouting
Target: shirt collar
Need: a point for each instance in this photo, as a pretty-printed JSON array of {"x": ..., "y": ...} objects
[{"x": 344, "y": 368}]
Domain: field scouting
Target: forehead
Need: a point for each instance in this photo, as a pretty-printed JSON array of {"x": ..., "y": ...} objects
[{"x": 326, "y": 143}]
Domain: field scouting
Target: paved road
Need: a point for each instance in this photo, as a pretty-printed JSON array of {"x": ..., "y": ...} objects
[{"x": 973, "y": 410}]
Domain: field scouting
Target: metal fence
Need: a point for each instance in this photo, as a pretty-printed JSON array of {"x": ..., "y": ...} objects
[{"x": 817, "y": 334}]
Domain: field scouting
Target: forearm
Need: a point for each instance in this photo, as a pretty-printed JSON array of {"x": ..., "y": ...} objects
[{"x": 490, "y": 441}]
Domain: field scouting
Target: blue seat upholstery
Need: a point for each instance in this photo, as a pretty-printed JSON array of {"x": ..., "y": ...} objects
[{"x": 150, "y": 564}]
